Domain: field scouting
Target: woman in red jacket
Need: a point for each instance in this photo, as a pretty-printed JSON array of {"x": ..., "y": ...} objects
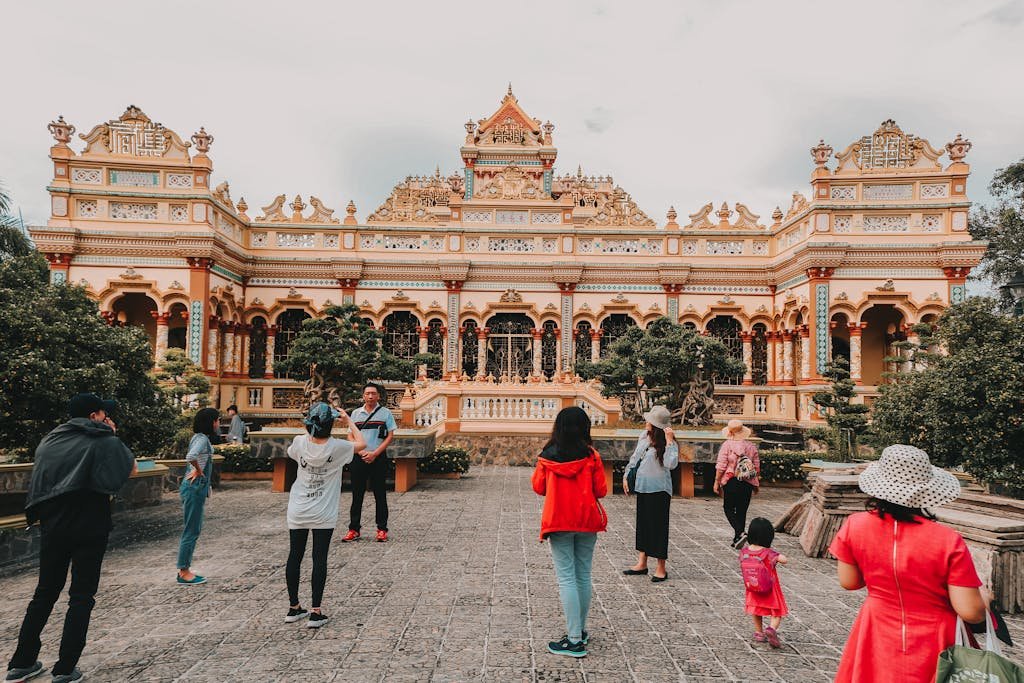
[{"x": 570, "y": 476}]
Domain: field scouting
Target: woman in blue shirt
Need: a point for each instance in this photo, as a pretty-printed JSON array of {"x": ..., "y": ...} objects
[
  {"x": 656, "y": 455},
  {"x": 195, "y": 489}
]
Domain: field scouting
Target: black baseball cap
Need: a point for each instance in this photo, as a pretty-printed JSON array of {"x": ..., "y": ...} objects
[{"x": 84, "y": 405}]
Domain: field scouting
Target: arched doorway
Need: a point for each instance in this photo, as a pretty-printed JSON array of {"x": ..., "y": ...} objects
[
  {"x": 289, "y": 323},
  {"x": 549, "y": 349},
  {"x": 470, "y": 348},
  {"x": 582, "y": 339},
  {"x": 883, "y": 328},
  {"x": 759, "y": 354},
  {"x": 510, "y": 345},
  {"x": 401, "y": 337},
  {"x": 258, "y": 347},
  {"x": 840, "y": 337},
  {"x": 177, "y": 326},
  {"x": 726, "y": 329},
  {"x": 435, "y": 345},
  {"x": 612, "y": 328},
  {"x": 137, "y": 310}
]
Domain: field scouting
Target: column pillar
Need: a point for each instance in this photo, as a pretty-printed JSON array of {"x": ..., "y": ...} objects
[
  {"x": 161, "y": 335},
  {"x": 565, "y": 346},
  {"x": 748, "y": 357},
  {"x": 816, "y": 341},
  {"x": 421, "y": 370},
  {"x": 228, "y": 364},
  {"x": 348, "y": 289},
  {"x": 957, "y": 277},
  {"x": 212, "y": 345},
  {"x": 481, "y": 351},
  {"x": 595, "y": 345},
  {"x": 199, "y": 310},
  {"x": 452, "y": 358},
  {"x": 536, "y": 351},
  {"x": 559, "y": 367},
  {"x": 855, "y": 351},
  {"x": 672, "y": 300},
  {"x": 907, "y": 354},
  {"x": 60, "y": 264},
  {"x": 243, "y": 349},
  {"x": 787, "y": 357},
  {"x": 805, "y": 355},
  {"x": 268, "y": 363},
  {"x": 773, "y": 374}
]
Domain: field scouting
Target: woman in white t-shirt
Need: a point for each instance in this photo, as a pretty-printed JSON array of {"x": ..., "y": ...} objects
[{"x": 313, "y": 502}]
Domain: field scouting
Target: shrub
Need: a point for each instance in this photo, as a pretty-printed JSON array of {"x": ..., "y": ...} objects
[
  {"x": 242, "y": 458},
  {"x": 445, "y": 460},
  {"x": 782, "y": 465}
]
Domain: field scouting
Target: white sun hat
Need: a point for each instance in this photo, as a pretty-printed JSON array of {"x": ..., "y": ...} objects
[
  {"x": 659, "y": 416},
  {"x": 905, "y": 476}
]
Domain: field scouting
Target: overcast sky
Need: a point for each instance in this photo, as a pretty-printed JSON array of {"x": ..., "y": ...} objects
[{"x": 681, "y": 102}]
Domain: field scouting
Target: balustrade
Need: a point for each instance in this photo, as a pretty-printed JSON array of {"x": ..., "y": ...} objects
[
  {"x": 509, "y": 408},
  {"x": 431, "y": 413},
  {"x": 596, "y": 415}
]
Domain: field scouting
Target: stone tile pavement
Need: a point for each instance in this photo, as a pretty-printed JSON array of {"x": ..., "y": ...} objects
[{"x": 464, "y": 591}]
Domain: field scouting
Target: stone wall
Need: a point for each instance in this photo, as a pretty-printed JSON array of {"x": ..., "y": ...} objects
[{"x": 176, "y": 470}]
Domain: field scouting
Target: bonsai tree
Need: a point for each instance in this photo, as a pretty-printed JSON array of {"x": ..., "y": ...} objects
[
  {"x": 846, "y": 420},
  {"x": 966, "y": 405},
  {"x": 338, "y": 353},
  {"x": 183, "y": 381},
  {"x": 666, "y": 363}
]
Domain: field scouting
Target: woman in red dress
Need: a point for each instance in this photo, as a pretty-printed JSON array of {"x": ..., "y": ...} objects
[{"x": 919, "y": 573}]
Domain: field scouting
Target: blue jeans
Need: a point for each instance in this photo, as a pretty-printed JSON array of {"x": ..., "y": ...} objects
[
  {"x": 193, "y": 501},
  {"x": 573, "y": 555}
]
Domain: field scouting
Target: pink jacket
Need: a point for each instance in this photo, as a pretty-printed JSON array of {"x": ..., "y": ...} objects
[{"x": 729, "y": 454}]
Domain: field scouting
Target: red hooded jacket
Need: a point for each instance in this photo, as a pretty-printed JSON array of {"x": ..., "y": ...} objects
[{"x": 571, "y": 491}]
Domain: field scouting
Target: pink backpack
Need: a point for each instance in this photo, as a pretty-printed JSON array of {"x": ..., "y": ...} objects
[{"x": 756, "y": 576}]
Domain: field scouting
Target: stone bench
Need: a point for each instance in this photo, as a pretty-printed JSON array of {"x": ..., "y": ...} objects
[
  {"x": 406, "y": 449},
  {"x": 695, "y": 448}
]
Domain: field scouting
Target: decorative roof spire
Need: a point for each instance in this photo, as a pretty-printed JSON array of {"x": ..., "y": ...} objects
[
  {"x": 777, "y": 215},
  {"x": 61, "y": 131},
  {"x": 350, "y": 210},
  {"x": 242, "y": 206},
  {"x": 723, "y": 214},
  {"x": 959, "y": 148},
  {"x": 820, "y": 153},
  {"x": 671, "y": 216},
  {"x": 203, "y": 140},
  {"x": 297, "y": 208}
]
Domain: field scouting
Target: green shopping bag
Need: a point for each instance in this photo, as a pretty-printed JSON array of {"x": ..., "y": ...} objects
[{"x": 962, "y": 663}]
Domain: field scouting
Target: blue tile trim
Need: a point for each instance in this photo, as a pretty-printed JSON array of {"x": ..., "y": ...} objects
[
  {"x": 195, "y": 332},
  {"x": 821, "y": 337}
]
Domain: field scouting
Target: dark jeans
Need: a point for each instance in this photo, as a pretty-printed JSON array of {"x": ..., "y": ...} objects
[
  {"x": 58, "y": 551},
  {"x": 297, "y": 548},
  {"x": 376, "y": 473},
  {"x": 736, "y": 500}
]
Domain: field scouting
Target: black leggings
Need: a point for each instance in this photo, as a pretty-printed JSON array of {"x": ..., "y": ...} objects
[
  {"x": 736, "y": 499},
  {"x": 297, "y": 548}
]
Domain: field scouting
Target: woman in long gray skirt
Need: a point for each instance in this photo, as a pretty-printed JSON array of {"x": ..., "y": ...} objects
[{"x": 655, "y": 456}]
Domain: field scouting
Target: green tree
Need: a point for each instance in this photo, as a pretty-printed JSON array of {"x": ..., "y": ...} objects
[
  {"x": 965, "y": 406},
  {"x": 346, "y": 353},
  {"x": 54, "y": 344},
  {"x": 667, "y": 363},
  {"x": 847, "y": 421},
  {"x": 1002, "y": 226},
  {"x": 183, "y": 381}
]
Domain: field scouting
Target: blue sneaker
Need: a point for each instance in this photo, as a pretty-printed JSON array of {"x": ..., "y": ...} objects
[
  {"x": 194, "y": 581},
  {"x": 565, "y": 647},
  {"x": 24, "y": 673}
]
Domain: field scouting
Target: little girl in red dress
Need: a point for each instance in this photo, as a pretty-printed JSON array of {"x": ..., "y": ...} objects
[{"x": 764, "y": 592}]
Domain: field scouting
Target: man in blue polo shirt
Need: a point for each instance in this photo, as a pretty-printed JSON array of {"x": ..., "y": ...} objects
[{"x": 377, "y": 425}]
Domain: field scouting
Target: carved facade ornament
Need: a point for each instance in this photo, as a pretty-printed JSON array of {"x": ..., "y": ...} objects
[
  {"x": 134, "y": 134},
  {"x": 297, "y": 206},
  {"x": 820, "y": 153},
  {"x": 61, "y": 131},
  {"x": 293, "y": 293},
  {"x": 585, "y": 307},
  {"x": 887, "y": 148},
  {"x": 257, "y": 301},
  {"x": 130, "y": 274},
  {"x": 612, "y": 206},
  {"x": 242, "y": 207},
  {"x": 777, "y": 216},
  {"x": 934, "y": 296},
  {"x": 511, "y": 182},
  {"x": 202, "y": 140},
  {"x": 222, "y": 193},
  {"x": 761, "y": 309},
  {"x": 511, "y": 296},
  {"x": 469, "y": 306},
  {"x": 84, "y": 283},
  {"x": 654, "y": 308},
  {"x": 551, "y": 307},
  {"x": 412, "y": 199},
  {"x": 510, "y": 126},
  {"x": 321, "y": 214},
  {"x": 690, "y": 308},
  {"x": 959, "y": 148},
  {"x": 699, "y": 220},
  {"x": 435, "y": 304},
  {"x": 745, "y": 218},
  {"x": 175, "y": 285},
  {"x": 365, "y": 303},
  {"x": 620, "y": 298},
  {"x": 887, "y": 286},
  {"x": 727, "y": 300},
  {"x": 400, "y": 296},
  {"x": 274, "y": 212},
  {"x": 842, "y": 296},
  {"x": 798, "y": 204}
]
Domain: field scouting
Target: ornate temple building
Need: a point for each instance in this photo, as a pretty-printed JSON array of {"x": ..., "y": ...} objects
[{"x": 509, "y": 271}]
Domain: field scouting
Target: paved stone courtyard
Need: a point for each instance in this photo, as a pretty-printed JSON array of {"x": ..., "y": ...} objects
[{"x": 464, "y": 591}]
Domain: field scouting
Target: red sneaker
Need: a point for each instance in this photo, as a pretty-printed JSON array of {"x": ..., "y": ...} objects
[
  {"x": 381, "y": 535},
  {"x": 352, "y": 535}
]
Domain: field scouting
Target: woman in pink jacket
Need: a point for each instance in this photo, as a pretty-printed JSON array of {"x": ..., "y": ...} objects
[{"x": 736, "y": 477}]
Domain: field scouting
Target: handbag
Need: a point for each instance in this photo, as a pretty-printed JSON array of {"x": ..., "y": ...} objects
[
  {"x": 961, "y": 663},
  {"x": 631, "y": 474}
]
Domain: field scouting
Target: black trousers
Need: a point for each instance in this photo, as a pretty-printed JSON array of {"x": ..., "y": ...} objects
[
  {"x": 736, "y": 499},
  {"x": 57, "y": 552},
  {"x": 652, "y": 524},
  {"x": 376, "y": 473},
  {"x": 296, "y": 550}
]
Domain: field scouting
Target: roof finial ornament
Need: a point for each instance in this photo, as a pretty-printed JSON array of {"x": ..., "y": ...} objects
[
  {"x": 61, "y": 131},
  {"x": 671, "y": 215},
  {"x": 723, "y": 214},
  {"x": 510, "y": 89},
  {"x": 777, "y": 215},
  {"x": 350, "y": 210},
  {"x": 959, "y": 148},
  {"x": 298, "y": 206},
  {"x": 820, "y": 153},
  {"x": 203, "y": 140},
  {"x": 242, "y": 207}
]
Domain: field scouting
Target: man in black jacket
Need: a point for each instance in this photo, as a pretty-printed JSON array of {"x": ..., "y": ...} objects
[{"x": 78, "y": 466}]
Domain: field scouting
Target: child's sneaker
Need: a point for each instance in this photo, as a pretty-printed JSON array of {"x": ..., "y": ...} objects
[
  {"x": 564, "y": 647},
  {"x": 773, "y": 637},
  {"x": 760, "y": 637},
  {"x": 294, "y": 614},
  {"x": 316, "y": 620}
]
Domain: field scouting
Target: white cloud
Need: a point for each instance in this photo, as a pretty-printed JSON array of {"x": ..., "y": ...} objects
[{"x": 683, "y": 103}]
